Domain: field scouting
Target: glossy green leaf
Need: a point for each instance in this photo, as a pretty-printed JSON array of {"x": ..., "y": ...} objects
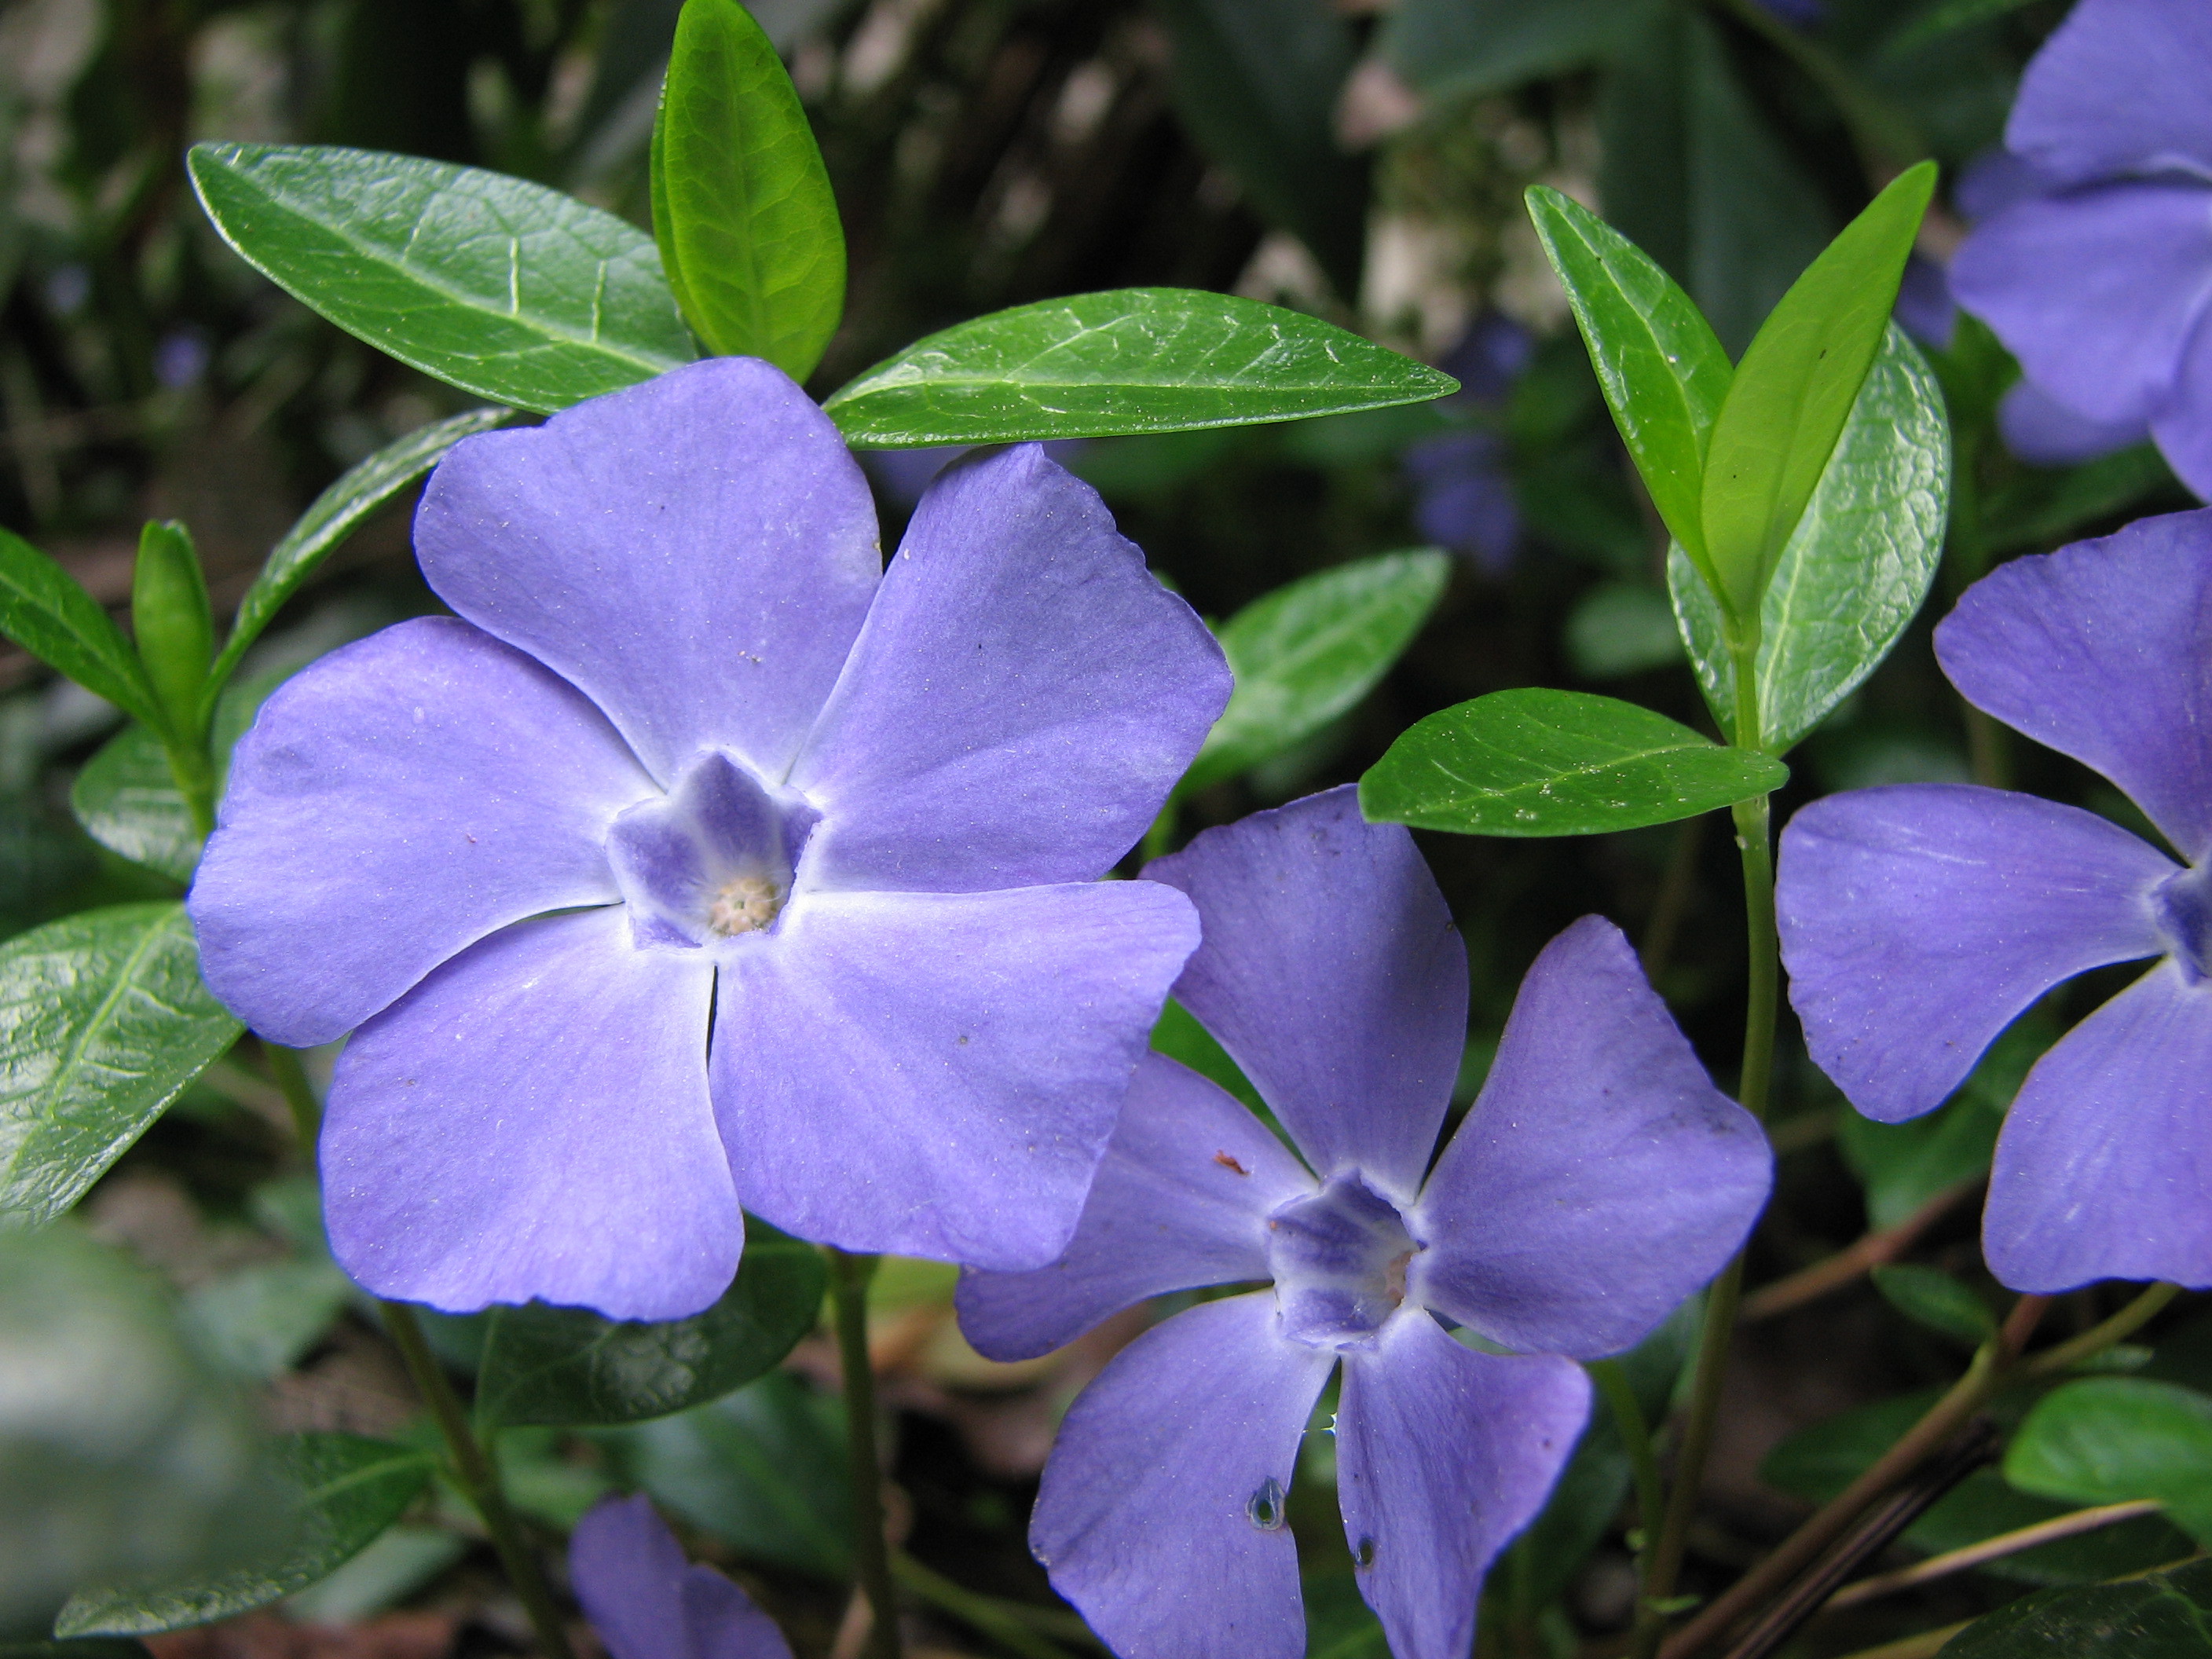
[
  {"x": 1543, "y": 762},
  {"x": 1796, "y": 387},
  {"x": 747, "y": 227},
  {"x": 1466, "y": 48},
  {"x": 103, "y": 1021},
  {"x": 1125, "y": 360},
  {"x": 2163, "y": 1615},
  {"x": 1856, "y": 570},
  {"x": 570, "y": 1366},
  {"x": 350, "y": 1489},
  {"x": 44, "y": 610},
  {"x": 1663, "y": 373},
  {"x": 2109, "y": 1439},
  {"x": 498, "y": 286},
  {"x": 1930, "y": 1296},
  {"x": 1308, "y": 651},
  {"x": 127, "y": 799},
  {"x": 336, "y": 513},
  {"x": 174, "y": 625}
]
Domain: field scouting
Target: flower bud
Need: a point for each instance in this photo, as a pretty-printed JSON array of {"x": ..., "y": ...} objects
[{"x": 169, "y": 613}]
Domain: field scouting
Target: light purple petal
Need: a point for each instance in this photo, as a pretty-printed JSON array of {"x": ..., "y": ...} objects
[
  {"x": 2044, "y": 432},
  {"x": 1146, "y": 1517},
  {"x": 2105, "y": 1167},
  {"x": 1331, "y": 973},
  {"x": 723, "y": 1622},
  {"x": 1022, "y": 698},
  {"x": 1599, "y": 1178},
  {"x": 1442, "y": 1455},
  {"x": 2119, "y": 88},
  {"x": 532, "y": 1121},
  {"x": 647, "y": 1602},
  {"x": 2097, "y": 292},
  {"x": 2184, "y": 427},
  {"x": 936, "y": 1074},
  {"x": 1181, "y": 1201},
  {"x": 394, "y": 804},
  {"x": 1994, "y": 180},
  {"x": 696, "y": 554},
  {"x": 2103, "y": 651},
  {"x": 1924, "y": 307},
  {"x": 1919, "y": 920}
]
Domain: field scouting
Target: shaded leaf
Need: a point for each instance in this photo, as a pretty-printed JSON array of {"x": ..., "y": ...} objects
[
  {"x": 260, "y": 1320},
  {"x": 498, "y": 286},
  {"x": 44, "y": 610},
  {"x": 2166, "y": 1615},
  {"x": 1466, "y": 48},
  {"x": 1622, "y": 627},
  {"x": 1543, "y": 762},
  {"x": 2109, "y": 1439},
  {"x": 103, "y": 1021},
  {"x": 1931, "y": 1298},
  {"x": 1125, "y": 360}
]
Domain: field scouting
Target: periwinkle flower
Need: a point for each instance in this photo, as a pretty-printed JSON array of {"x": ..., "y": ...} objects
[
  {"x": 646, "y": 1602},
  {"x": 1463, "y": 493},
  {"x": 701, "y": 858},
  {"x": 1919, "y": 920},
  {"x": 2098, "y": 282},
  {"x": 1598, "y": 1180}
]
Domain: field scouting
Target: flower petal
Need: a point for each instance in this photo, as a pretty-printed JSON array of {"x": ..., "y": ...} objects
[
  {"x": 1022, "y": 698},
  {"x": 2103, "y": 651},
  {"x": 2096, "y": 292},
  {"x": 695, "y": 553},
  {"x": 1331, "y": 973},
  {"x": 1918, "y": 920},
  {"x": 2119, "y": 87},
  {"x": 1161, "y": 1512},
  {"x": 723, "y": 1623},
  {"x": 1444, "y": 1455},
  {"x": 2105, "y": 1167},
  {"x": 1600, "y": 1177},
  {"x": 2044, "y": 432},
  {"x": 394, "y": 803},
  {"x": 647, "y": 1602},
  {"x": 936, "y": 1074},
  {"x": 532, "y": 1121},
  {"x": 2184, "y": 427},
  {"x": 1180, "y": 1200}
]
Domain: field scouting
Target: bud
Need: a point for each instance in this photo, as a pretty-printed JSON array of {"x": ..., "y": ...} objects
[{"x": 169, "y": 613}]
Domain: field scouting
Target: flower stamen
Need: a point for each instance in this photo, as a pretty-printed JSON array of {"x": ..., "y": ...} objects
[{"x": 745, "y": 904}]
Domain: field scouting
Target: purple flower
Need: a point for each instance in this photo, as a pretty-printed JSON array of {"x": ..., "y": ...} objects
[
  {"x": 2099, "y": 284},
  {"x": 647, "y": 1602},
  {"x": 1463, "y": 497},
  {"x": 1598, "y": 1180},
  {"x": 1917, "y": 920},
  {"x": 690, "y": 762}
]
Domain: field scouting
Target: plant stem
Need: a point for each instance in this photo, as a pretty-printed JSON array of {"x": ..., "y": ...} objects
[
  {"x": 1872, "y": 1250},
  {"x": 2118, "y": 1329},
  {"x": 1991, "y": 1549},
  {"x": 849, "y": 1298},
  {"x": 1007, "y": 1623},
  {"x": 1612, "y": 1381},
  {"x": 193, "y": 768},
  {"x": 479, "y": 1478},
  {"x": 290, "y": 1077}
]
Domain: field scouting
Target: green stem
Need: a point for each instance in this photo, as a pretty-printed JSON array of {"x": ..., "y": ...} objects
[
  {"x": 290, "y": 1077},
  {"x": 194, "y": 770},
  {"x": 479, "y": 1478},
  {"x": 1612, "y": 1381},
  {"x": 2117, "y": 1329},
  {"x": 1007, "y": 1623},
  {"x": 1887, "y": 139},
  {"x": 849, "y": 1298}
]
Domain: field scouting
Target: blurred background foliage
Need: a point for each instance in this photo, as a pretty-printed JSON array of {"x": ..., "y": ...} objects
[{"x": 1363, "y": 160}]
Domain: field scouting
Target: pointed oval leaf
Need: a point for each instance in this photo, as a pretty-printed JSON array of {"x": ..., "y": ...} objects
[
  {"x": 498, "y": 286},
  {"x": 1858, "y": 567},
  {"x": 44, "y": 610},
  {"x": 1930, "y": 1296},
  {"x": 1663, "y": 373},
  {"x": 349, "y": 1490},
  {"x": 1308, "y": 651},
  {"x": 742, "y": 206},
  {"x": 2108, "y": 1439},
  {"x": 127, "y": 799},
  {"x": 2161, "y": 1615},
  {"x": 1125, "y": 360},
  {"x": 1796, "y": 387},
  {"x": 103, "y": 1021},
  {"x": 1542, "y": 762},
  {"x": 567, "y": 1366}
]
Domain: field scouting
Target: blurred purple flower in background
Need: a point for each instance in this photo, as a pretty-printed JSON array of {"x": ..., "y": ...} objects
[
  {"x": 2100, "y": 281},
  {"x": 1917, "y": 920},
  {"x": 646, "y": 1602},
  {"x": 1463, "y": 496},
  {"x": 690, "y": 756},
  {"x": 1598, "y": 1181}
]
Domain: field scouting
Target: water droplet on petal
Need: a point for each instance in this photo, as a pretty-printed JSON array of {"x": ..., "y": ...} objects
[{"x": 1265, "y": 1507}]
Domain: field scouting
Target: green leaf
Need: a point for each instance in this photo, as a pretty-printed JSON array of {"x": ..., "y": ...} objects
[
  {"x": 1542, "y": 762},
  {"x": 2164, "y": 1615},
  {"x": 127, "y": 799},
  {"x": 498, "y": 286},
  {"x": 1928, "y": 1297},
  {"x": 1308, "y": 651},
  {"x": 1468, "y": 48},
  {"x": 260, "y": 1320},
  {"x": 1622, "y": 627},
  {"x": 42, "y": 608},
  {"x": 567, "y": 1366},
  {"x": 1663, "y": 373},
  {"x": 1795, "y": 388},
  {"x": 335, "y": 514},
  {"x": 2039, "y": 509},
  {"x": 1857, "y": 567},
  {"x": 746, "y": 224},
  {"x": 2108, "y": 1439},
  {"x": 103, "y": 1021},
  {"x": 350, "y": 1490},
  {"x": 175, "y": 629},
  {"x": 1125, "y": 360}
]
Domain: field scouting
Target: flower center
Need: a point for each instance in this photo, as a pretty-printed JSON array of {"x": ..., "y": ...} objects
[
  {"x": 1340, "y": 1257},
  {"x": 712, "y": 860},
  {"x": 2183, "y": 904}
]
